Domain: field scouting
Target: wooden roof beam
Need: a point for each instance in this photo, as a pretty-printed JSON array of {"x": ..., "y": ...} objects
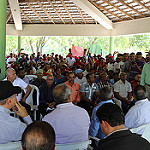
[
  {"x": 56, "y": 11},
  {"x": 98, "y": 6},
  {"x": 118, "y": 9},
  {"x": 25, "y": 15},
  {"x": 46, "y": 12},
  {"x": 141, "y": 4},
  {"x": 121, "y": 1},
  {"x": 9, "y": 17},
  {"x": 35, "y": 12},
  {"x": 15, "y": 10},
  {"x": 81, "y": 15},
  {"x": 67, "y": 11},
  {"x": 94, "y": 13}
]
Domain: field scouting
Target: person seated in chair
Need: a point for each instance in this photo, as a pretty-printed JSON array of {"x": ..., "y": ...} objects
[
  {"x": 46, "y": 95},
  {"x": 11, "y": 128},
  {"x": 138, "y": 114},
  {"x": 70, "y": 122},
  {"x": 39, "y": 135},
  {"x": 16, "y": 81},
  {"x": 106, "y": 95},
  {"x": 112, "y": 120}
]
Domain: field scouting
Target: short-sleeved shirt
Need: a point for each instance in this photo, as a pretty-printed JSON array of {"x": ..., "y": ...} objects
[
  {"x": 134, "y": 71},
  {"x": 88, "y": 90},
  {"x": 122, "y": 88},
  {"x": 75, "y": 91},
  {"x": 70, "y": 61},
  {"x": 19, "y": 82}
]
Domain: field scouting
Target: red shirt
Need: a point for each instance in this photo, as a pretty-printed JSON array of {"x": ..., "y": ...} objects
[{"x": 75, "y": 91}]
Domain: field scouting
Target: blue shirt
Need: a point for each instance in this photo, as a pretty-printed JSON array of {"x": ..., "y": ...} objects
[
  {"x": 11, "y": 128},
  {"x": 95, "y": 125}
]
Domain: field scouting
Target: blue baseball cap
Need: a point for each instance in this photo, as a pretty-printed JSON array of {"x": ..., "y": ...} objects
[{"x": 79, "y": 71}]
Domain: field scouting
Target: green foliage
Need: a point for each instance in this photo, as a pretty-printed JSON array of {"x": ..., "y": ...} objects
[
  {"x": 11, "y": 44},
  {"x": 61, "y": 44}
]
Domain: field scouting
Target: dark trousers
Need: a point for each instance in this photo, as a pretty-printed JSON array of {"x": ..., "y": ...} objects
[
  {"x": 43, "y": 109},
  {"x": 27, "y": 106},
  {"x": 126, "y": 107},
  {"x": 87, "y": 106}
]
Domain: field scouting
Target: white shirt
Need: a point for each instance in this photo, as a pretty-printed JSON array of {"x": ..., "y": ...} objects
[
  {"x": 11, "y": 128},
  {"x": 111, "y": 66},
  {"x": 70, "y": 122},
  {"x": 70, "y": 61},
  {"x": 9, "y": 60},
  {"x": 122, "y": 88},
  {"x": 19, "y": 82},
  {"x": 116, "y": 67},
  {"x": 138, "y": 115},
  {"x": 80, "y": 81}
]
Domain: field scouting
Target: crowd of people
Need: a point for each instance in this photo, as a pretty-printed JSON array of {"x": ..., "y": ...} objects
[{"x": 79, "y": 96}]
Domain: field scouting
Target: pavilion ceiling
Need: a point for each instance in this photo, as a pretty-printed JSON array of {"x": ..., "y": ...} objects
[{"x": 66, "y": 12}]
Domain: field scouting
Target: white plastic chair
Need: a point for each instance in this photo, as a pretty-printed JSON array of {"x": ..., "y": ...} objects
[
  {"x": 11, "y": 146},
  {"x": 29, "y": 99},
  {"x": 143, "y": 130},
  {"x": 74, "y": 146}
]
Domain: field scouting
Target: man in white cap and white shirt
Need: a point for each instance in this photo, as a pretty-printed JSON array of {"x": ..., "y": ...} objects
[{"x": 80, "y": 79}]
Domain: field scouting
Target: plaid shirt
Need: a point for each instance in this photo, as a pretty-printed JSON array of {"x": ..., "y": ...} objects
[{"x": 102, "y": 84}]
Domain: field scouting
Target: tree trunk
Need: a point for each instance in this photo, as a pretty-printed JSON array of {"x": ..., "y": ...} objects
[{"x": 31, "y": 46}]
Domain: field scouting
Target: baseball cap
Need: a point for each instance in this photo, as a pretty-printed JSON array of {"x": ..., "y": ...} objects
[
  {"x": 39, "y": 71},
  {"x": 79, "y": 71},
  {"x": 7, "y": 89}
]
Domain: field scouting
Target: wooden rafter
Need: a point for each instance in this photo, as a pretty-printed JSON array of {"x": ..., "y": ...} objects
[
  {"x": 56, "y": 11},
  {"x": 121, "y": 1},
  {"x": 141, "y": 4},
  {"x": 46, "y": 11},
  {"x": 67, "y": 11},
  {"x": 81, "y": 14},
  {"x": 118, "y": 9},
  {"x": 9, "y": 18},
  {"x": 26, "y": 15},
  {"x": 98, "y": 6},
  {"x": 35, "y": 12}
]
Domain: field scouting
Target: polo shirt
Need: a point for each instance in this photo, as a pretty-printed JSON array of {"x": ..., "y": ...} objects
[{"x": 122, "y": 88}]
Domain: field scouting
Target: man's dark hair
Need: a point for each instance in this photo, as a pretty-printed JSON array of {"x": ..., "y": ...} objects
[
  {"x": 19, "y": 70},
  {"x": 88, "y": 75},
  {"x": 111, "y": 113},
  {"x": 39, "y": 135},
  {"x": 105, "y": 93},
  {"x": 138, "y": 53},
  {"x": 140, "y": 92},
  {"x": 132, "y": 53}
]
